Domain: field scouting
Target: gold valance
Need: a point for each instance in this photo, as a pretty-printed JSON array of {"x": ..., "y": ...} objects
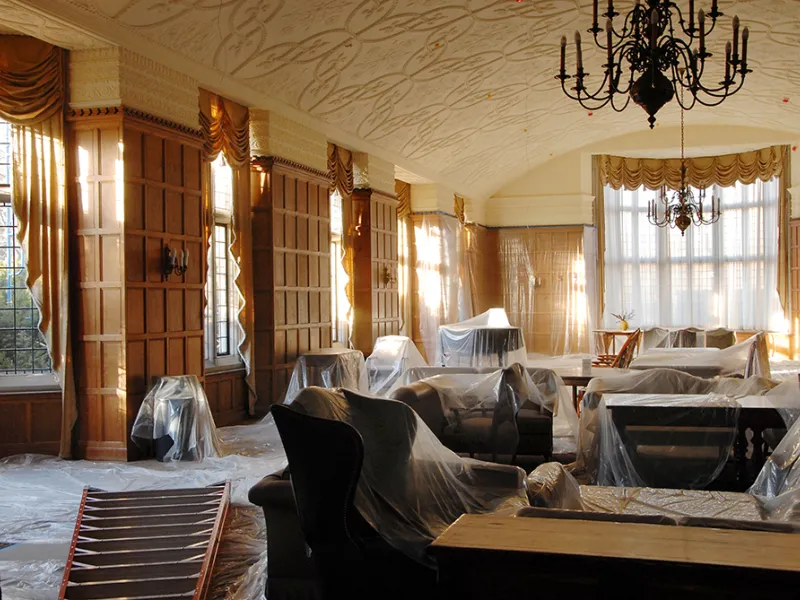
[
  {"x": 226, "y": 129},
  {"x": 340, "y": 170},
  {"x": 32, "y": 80},
  {"x": 458, "y": 208},
  {"x": 702, "y": 172},
  {"x": 403, "y": 191}
]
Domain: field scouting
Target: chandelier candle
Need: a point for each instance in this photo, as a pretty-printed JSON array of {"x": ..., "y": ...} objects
[{"x": 653, "y": 53}]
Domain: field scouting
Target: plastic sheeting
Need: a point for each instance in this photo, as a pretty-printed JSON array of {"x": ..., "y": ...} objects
[
  {"x": 175, "y": 421},
  {"x": 329, "y": 368},
  {"x": 443, "y": 292},
  {"x": 411, "y": 487},
  {"x": 654, "y": 381},
  {"x": 40, "y": 499},
  {"x": 778, "y": 483},
  {"x": 551, "y": 486},
  {"x": 747, "y": 358},
  {"x": 657, "y": 440},
  {"x": 390, "y": 358},
  {"x": 487, "y": 340},
  {"x": 555, "y": 394}
]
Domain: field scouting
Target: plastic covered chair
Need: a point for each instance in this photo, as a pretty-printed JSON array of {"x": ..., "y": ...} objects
[
  {"x": 720, "y": 338},
  {"x": 329, "y": 368},
  {"x": 655, "y": 337},
  {"x": 684, "y": 338},
  {"x": 410, "y": 488},
  {"x": 487, "y": 340},
  {"x": 390, "y": 358},
  {"x": 175, "y": 421}
]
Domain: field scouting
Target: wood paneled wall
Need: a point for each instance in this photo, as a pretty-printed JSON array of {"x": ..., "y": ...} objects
[
  {"x": 291, "y": 270},
  {"x": 163, "y": 208},
  {"x": 97, "y": 222},
  {"x": 376, "y": 300},
  {"x": 137, "y": 188},
  {"x": 482, "y": 248},
  {"x": 227, "y": 396},
  {"x": 30, "y": 422}
]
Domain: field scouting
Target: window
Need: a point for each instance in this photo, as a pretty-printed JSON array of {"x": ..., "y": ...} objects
[
  {"x": 222, "y": 299},
  {"x": 22, "y": 347},
  {"x": 340, "y": 306},
  {"x": 723, "y": 274}
]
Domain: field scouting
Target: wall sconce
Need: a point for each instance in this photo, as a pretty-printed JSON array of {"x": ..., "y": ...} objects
[
  {"x": 387, "y": 276},
  {"x": 174, "y": 262}
]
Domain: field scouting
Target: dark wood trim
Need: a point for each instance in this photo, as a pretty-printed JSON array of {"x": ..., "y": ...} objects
[
  {"x": 264, "y": 163},
  {"x": 132, "y": 115}
]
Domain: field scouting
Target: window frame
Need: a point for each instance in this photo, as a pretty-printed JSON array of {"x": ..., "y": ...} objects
[{"x": 232, "y": 360}]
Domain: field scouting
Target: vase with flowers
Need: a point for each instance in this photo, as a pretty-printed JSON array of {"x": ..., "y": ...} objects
[{"x": 623, "y": 319}]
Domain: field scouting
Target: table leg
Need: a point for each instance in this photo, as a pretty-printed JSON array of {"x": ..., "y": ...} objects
[
  {"x": 740, "y": 454},
  {"x": 575, "y": 397},
  {"x": 758, "y": 447}
]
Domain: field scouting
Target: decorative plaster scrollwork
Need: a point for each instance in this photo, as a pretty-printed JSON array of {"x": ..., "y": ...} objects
[{"x": 463, "y": 87}]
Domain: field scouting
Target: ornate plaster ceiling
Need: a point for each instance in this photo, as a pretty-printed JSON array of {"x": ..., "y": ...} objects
[
  {"x": 462, "y": 89},
  {"x": 17, "y": 19}
]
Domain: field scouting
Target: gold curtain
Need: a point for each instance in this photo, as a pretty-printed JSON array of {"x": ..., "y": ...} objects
[
  {"x": 32, "y": 99},
  {"x": 404, "y": 229},
  {"x": 458, "y": 208},
  {"x": 600, "y": 223},
  {"x": 784, "y": 211},
  {"x": 340, "y": 172},
  {"x": 702, "y": 172},
  {"x": 226, "y": 129}
]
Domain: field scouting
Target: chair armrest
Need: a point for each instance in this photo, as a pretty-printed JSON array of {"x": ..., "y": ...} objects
[
  {"x": 274, "y": 491},
  {"x": 496, "y": 475}
]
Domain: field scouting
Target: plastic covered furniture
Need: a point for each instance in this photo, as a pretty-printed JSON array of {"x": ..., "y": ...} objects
[
  {"x": 390, "y": 358},
  {"x": 328, "y": 368},
  {"x": 175, "y": 421},
  {"x": 487, "y": 340}
]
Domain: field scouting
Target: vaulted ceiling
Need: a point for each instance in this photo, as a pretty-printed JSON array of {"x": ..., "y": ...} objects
[{"x": 460, "y": 91}]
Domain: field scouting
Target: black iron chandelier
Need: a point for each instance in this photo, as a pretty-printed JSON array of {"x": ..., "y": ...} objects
[
  {"x": 684, "y": 209},
  {"x": 648, "y": 63}
]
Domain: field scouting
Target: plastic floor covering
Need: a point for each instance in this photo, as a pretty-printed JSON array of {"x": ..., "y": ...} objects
[{"x": 40, "y": 497}]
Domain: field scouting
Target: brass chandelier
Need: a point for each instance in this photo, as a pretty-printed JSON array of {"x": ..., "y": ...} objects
[
  {"x": 684, "y": 209},
  {"x": 651, "y": 58}
]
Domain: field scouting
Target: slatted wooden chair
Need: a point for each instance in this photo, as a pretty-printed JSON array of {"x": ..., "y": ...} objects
[{"x": 625, "y": 356}]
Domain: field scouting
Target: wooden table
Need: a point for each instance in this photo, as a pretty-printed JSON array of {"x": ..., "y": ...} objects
[
  {"x": 574, "y": 377},
  {"x": 609, "y": 337},
  {"x": 757, "y": 413},
  {"x": 489, "y": 556}
]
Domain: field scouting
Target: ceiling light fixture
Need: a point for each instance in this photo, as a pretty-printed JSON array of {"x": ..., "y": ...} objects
[
  {"x": 684, "y": 210},
  {"x": 648, "y": 63}
]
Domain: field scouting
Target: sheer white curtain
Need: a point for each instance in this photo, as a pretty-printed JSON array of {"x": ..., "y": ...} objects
[{"x": 725, "y": 274}]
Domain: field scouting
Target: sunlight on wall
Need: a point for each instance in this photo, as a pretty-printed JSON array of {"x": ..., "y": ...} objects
[{"x": 83, "y": 181}]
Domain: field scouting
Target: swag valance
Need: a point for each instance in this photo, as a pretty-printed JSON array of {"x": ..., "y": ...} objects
[
  {"x": 32, "y": 86},
  {"x": 226, "y": 128},
  {"x": 340, "y": 170},
  {"x": 403, "y": 191},
  {"x": 702, "y": 172}
]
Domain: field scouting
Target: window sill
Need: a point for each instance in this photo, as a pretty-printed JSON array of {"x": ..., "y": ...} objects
[
  {"x": 29, "y": 384},
  {"x": 212, "y": 369}
]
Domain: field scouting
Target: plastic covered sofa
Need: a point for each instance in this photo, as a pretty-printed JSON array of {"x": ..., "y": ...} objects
[{"x": 496, "y": 413}]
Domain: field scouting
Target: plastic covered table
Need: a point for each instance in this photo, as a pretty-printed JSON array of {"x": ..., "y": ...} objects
[
  {"x": 487, "y": 340},
  {"x": 328, "y": 368}
]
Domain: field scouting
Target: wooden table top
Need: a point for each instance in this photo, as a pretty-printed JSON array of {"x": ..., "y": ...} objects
[
  {"x": 575, "y": 375},
  {"x": 636, "y": 541}
]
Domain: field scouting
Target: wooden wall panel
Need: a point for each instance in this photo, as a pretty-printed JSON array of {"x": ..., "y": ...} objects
[
  {"x": 485, "y": 268},
  {"x": 164, "y": 314},
  {"x": 376, "y": 301},
  {"x": 99, "y": 313},
  {"x": 31, "y": 422},
  {"x": 291, "y": 270},
  {"x": 136, "y": 189},
  {"x": 227, "y": 396}
]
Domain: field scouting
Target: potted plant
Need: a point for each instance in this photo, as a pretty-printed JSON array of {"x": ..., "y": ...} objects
[{"x": 623, "y": 319}]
